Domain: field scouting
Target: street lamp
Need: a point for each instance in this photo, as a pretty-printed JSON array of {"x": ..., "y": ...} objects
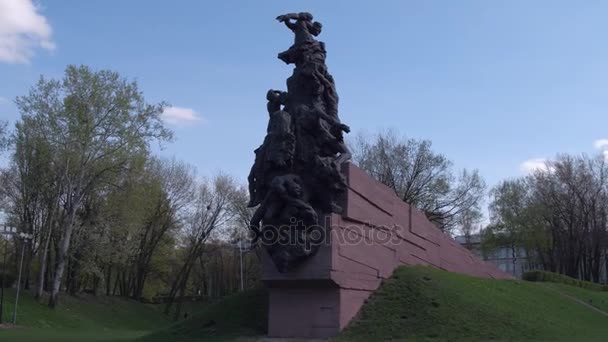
[
  {"x": 12, "y": 231},
  {"x": 242, "y": 245},
  {"x": 26, "y": 238}
]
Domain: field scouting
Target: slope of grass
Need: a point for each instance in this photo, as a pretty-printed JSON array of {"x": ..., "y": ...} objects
[
  {"x": 241, "y": 315},
  {"x": 97, "y": 318},
  {"x": 598, "y": 299},
  {"x": 544, "y": 276},
  {"x": 420, "y": 303},
  {"x": 417, "y": 303}
]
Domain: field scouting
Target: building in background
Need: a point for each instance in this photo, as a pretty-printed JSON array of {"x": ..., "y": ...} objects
[{"x": 514, "y": 261}]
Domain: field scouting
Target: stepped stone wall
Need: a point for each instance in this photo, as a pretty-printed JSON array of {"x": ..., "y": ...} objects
[{"x": 376, "y": 233}]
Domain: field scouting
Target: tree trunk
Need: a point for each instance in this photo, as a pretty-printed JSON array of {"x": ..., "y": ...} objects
[
  {"x": 178, "y": 309},
  {"x": 108, "y": 280},
  {"x": 62, "y": 255},
  {"x": 116, "y": 283},
  {"x": 43, "y": 264}
]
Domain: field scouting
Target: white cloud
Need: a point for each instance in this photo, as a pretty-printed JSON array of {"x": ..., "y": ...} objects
[
  {"x": 3, "y": 100},
  {"x": 22, "y": 29},
  {"x": 180, "y": 115},
  {"x": 601, "y": 144},
  {"x": 535, "y": 165}
]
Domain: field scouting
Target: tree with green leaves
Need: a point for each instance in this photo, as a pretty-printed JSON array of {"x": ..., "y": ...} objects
[
  {"x": 171, "y": 191},
  {"x": 94, "y": 122},
  {"x": 558, "y": 215}
]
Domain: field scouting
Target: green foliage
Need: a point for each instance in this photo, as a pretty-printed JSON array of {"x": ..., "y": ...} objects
[
  {"x": 80, "y": 138},
  {"x": 94, "y": 123},
  {"x": 557, "y": 215},
  {"x": 421, "y": 304},
  {"x": 562, "y": 279}
]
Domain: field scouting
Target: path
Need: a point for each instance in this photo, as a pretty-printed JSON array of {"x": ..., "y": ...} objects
[{"x": 565, "y": 295}]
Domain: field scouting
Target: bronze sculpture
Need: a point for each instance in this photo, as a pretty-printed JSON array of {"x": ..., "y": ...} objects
[{"x": 296, "y": 179}]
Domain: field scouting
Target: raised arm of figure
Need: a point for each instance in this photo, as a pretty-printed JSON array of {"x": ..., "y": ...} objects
[{"x": 286, "y": 18}]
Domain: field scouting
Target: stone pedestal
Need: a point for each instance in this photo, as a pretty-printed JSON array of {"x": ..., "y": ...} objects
[{"x": 376, "y": 233}]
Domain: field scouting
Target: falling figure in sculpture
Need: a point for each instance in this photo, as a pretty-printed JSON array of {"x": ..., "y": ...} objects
[{"x": 284, "y": 239}]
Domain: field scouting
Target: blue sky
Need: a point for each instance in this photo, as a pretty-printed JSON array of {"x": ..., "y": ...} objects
[{"x": 492, "y": 83}]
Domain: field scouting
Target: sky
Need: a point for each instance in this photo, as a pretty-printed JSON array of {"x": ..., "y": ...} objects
[{"x": 497, "y": 86}]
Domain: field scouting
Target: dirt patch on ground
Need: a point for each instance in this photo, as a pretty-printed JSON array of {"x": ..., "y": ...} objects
[{"x": 8, "y": 326}]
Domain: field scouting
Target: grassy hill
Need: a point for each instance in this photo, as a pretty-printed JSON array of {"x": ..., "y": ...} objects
[
  {"x": 426, "y": 304},
  {"x": 420, "y": 303},
  {"x": 416, "y": 304},
  {"x": 83, "y": 318},
  {"x": 237, "y": 316}
]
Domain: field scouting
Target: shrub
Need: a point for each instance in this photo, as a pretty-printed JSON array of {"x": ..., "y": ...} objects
[{"x": 562, "y": 279}]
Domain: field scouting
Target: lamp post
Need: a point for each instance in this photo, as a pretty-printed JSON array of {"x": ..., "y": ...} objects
[
  {"x": 243, "y": 246},
  {"x": 6, "y": 230},
  {"x": 25, "y": 237}
]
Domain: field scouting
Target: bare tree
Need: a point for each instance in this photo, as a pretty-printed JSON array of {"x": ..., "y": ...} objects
[
  {"x": 176, "y": 181},
  {"x": 4, "y": 138},
  {"x": 421, "y": 177},
  {"x": 210, "y": 211}
]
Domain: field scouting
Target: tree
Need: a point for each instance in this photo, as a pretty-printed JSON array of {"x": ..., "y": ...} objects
[
  {"x": 210, "y": 211},
  {"x": 558, "y": 215},
  {"x": 510, "y": 217},
  {"x": 94, "y": 122},
  {"x": 3, "y": 135},
  {"x": 36, "y": 195},
  {"x": 175, "y": 181},
  {"x": 422, "y": 177}
]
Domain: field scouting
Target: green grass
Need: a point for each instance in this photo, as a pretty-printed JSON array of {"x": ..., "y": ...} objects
[
  {"x": 416, "y": 304},
  {"x": 552, "y": 277},
  {"x": 420, "y": 304},
  {"x": 43, "y": 335},
  {"x": 598, "y": 299},
  {"x": 80, "y": 318},
  {"x": 239, "y": 316}
]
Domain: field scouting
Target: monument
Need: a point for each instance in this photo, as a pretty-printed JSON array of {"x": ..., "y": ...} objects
[
  {"x": 330, "y": 232},
  {"x": 296, "y": 179}
]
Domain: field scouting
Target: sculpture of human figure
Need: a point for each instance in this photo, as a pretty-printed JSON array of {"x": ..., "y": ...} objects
[
  {"x": 279, "y": 121},
  {"x": 296, "y": 176},
  {"x": 304, "y": 28},
  {"x": 275, "y": 155},
  {"x": 315, "y": 128},
  {"x": 305, "y": 47},
  {"x": 284, "y": 201}
]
